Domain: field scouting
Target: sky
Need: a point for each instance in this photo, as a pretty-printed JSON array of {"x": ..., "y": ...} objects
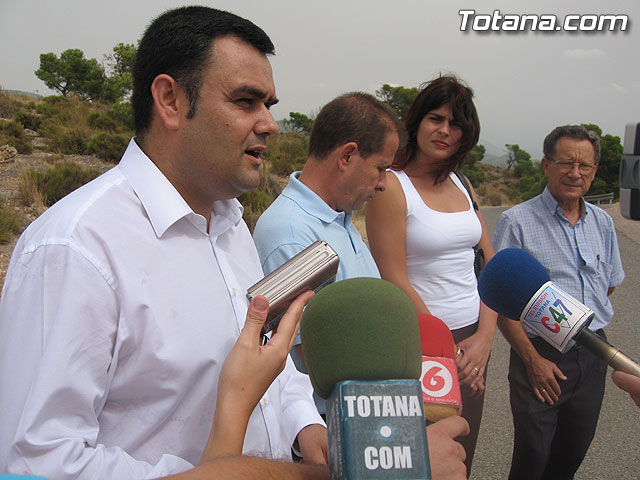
[{"x": 525, "y": 82}]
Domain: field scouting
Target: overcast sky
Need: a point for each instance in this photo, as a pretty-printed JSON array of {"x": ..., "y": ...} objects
[{"x": 525, "y": 83}]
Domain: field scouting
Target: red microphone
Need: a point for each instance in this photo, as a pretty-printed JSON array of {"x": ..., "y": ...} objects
[{"x": 439, "y": 378}]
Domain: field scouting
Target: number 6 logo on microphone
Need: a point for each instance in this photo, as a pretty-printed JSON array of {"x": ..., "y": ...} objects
[{"x": 436, "y": 378}]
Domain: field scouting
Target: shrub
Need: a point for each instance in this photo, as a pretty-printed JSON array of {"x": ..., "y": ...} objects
[
  {"x": 45, "y": 109},
  {"x": 494, "y": 199},
  {"x": 8, "y": 106},
  {"x": 28, "y": 120},
  {"x": 122, "y": 113},
  {"x": 287, "y": 152},
  {"x": 108, "y": 146},
  {"x": 490, "y": 195},
  {"x": 270, "y": 184},
  {"x": 254, "y": 202},
  {"x": 55, "y": 99},
  {"x": 69, "y": 141},
  {"x": 12, "y": 133},
  {"x": 514, "y": 195},
  {"x": 10, "y": 222},
  {"x": 99, "y": 121},
  {"x": 55, "y": 182},
  {"x": 29, "y": 191}
]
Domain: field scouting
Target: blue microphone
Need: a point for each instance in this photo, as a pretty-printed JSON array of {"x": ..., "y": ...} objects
[{"x": 517, "y": 286}]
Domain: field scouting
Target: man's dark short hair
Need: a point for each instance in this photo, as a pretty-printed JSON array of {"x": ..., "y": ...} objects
[
  {"x": 353, "y": 117},
  {"x": 446, "y": 89},
  {"x": 577, "y": 132},
  {"x": 177, "y": 43}
]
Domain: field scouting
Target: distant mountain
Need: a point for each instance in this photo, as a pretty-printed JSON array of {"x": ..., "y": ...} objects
[
  {"x": 496, "y": 156},
  {"x": 20, "y": 92},
  {"x": 496, "y": 160}
]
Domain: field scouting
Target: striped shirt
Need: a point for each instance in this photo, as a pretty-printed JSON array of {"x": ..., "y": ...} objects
[{"x": 583, "y": 260}]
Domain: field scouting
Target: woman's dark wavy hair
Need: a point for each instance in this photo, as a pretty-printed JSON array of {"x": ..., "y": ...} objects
[
  {"x": 178, "y": 43},
  {"x": 440, "y": 91}
]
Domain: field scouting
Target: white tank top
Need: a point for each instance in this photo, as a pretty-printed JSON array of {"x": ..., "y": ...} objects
[{"x": 440, "y": 256}]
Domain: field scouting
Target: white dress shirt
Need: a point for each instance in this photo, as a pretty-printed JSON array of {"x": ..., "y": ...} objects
[{"x": 117, "y": 312}]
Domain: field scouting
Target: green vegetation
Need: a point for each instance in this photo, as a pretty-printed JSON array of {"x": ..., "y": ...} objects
[
  {"x": 472, "y": 169},
  {"x": 298, "y": 122},
  {"x": 67, "y": 125},
  {"x": 8, "y": 106},
  {"x": 50, "y": 185},
  {"x": 71, "y": 72},
  {"x": 287, "y": 152},
  {"x": 10, "y": 223},
  {"x": 256, "y": 201},
  {"x": 398, "y": 98},
  {"x": 71, "y": 125},
  {"x": 93, "y": 117},
  {"x": 530, "y": 179},
  {"x": 608, "y": 175},
  {"x": 12, "y": 133}
]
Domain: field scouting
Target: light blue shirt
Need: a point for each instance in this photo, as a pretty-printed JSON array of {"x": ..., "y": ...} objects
[
  {"x": 584, "y": 260},
  {"x": 299, "y": 217},
  {"x": 296, "y": 219}
]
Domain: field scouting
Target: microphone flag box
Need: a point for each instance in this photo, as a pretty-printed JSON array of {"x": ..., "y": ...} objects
[
  {"x": 556, "y": 316},
  {"x": 313, "y": 268},
  {"x": 377, "y": 430},
  {"x": 440, "y": 388}
]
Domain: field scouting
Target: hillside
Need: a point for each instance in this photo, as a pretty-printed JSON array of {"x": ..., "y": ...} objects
[{"x": 92, "y": 136}]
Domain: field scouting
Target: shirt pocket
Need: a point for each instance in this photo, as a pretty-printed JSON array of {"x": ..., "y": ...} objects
[{"x": 600, "y": 277}]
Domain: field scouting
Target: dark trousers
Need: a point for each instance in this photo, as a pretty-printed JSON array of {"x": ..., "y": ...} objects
[
  {"x": 471, "y": 406},
  {"x": 550, "y": 441}
]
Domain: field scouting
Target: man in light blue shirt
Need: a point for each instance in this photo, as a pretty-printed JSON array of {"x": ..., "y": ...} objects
[
  {"x": 353, "y": 142},
  {"x": 556, "y": 397}
]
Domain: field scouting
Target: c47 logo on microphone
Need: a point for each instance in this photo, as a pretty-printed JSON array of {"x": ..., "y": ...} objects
[{"x": 556, "y": 316}]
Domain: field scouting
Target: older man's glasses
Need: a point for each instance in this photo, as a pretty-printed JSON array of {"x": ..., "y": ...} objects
[{"x": 566, "y": 167}]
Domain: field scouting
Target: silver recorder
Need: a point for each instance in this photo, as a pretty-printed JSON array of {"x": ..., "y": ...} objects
[{"x": 311, "y": 269}]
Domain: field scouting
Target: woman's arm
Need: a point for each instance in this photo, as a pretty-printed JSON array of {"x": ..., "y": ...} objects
[
  {"x": 477, "y": 347},
  {"x": 247, "y": 372},
  {"x": 386, "y": 222}
]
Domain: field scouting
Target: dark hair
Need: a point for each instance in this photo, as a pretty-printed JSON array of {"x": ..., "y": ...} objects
[
  {"x": 572, "y": 131},
  {"x": 443, "y": 90},
  {"x": 353, "y": 117},
  {"x": 177, "y": 43}
]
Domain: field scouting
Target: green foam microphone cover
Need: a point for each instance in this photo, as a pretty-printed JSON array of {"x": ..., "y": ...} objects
[{"x": 360, "y": 329}]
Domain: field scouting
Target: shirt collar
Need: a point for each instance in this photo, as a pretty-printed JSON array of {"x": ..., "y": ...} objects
[
  {"x": 310, "y": 202},
  {"x": 553, "y": 208},
  {"x": 161, "y": 201}
]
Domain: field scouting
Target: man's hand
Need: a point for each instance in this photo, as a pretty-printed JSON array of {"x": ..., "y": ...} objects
[
  {"x": 629, "y": 383},
  {"x": 543, "y": 375},
  {"x": 313, "y": 443},
  {"x": 446, "y": 456}
]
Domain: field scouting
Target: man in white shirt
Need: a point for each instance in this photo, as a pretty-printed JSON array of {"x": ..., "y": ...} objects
[{"x": 123, "y": 299}]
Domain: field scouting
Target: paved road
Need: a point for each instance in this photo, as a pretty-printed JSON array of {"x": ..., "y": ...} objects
[{"x": 614, "y": 453}]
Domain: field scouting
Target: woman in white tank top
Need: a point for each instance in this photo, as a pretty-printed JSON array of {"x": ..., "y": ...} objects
[{"x": 422, "y": 230}]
